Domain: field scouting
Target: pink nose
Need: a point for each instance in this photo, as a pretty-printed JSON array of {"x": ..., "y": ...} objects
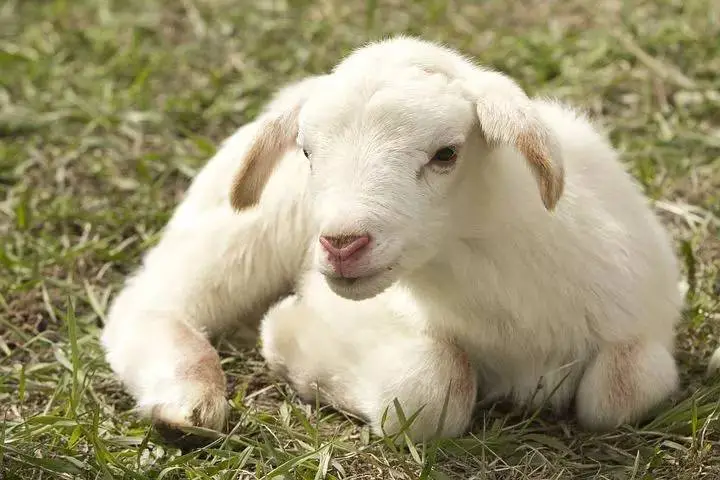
[{"x": 345, "y": 246}]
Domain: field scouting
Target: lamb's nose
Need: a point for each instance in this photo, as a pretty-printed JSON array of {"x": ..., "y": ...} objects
[{"x": 343, "y": 247}]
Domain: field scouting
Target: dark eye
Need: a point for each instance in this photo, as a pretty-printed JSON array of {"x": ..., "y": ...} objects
[
  {"x": 306, "y": 153},
  {"x": 445, "y": 155}
]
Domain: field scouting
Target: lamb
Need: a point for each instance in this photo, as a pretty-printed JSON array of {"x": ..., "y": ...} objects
[{"x": 410, "y": 227}]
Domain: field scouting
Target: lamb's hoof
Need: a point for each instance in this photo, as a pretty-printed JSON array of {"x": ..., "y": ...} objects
[
  {"x": 191, "y": 428},
  {"x": 175, "y": 436}
]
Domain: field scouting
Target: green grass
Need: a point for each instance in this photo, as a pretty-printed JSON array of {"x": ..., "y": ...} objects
[{"x": 107, "y": 110}]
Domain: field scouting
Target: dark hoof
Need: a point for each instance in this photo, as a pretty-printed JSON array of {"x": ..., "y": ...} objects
[{"x": 185, "y": 438}]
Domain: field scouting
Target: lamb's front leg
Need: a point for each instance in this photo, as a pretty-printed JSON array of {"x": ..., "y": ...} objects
[{"x": 359, "y": 359}]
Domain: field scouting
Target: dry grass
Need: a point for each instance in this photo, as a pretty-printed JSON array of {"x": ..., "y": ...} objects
[{"x": 108, "y": 108}]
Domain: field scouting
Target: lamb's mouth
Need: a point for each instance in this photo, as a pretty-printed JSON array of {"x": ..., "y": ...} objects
[{"x": 361, "y": 288}]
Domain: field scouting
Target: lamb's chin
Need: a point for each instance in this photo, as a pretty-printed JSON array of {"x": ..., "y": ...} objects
[{"x": 361, "y": 288}]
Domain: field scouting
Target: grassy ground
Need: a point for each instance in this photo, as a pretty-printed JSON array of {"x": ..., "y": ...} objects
[{"x": 108, "y": 108}]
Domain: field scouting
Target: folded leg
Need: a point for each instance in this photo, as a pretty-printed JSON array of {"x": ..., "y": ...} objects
[
  {"x": 624, "y": 382},
  {"x": 361, "y": 358}
]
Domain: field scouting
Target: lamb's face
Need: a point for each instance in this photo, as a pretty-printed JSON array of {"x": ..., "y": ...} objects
[
  {"x": 386, "y": 140},
  {"x": 384, "y": 156}
]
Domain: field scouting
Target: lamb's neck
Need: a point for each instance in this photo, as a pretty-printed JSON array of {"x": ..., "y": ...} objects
[{"x": 452, "y": 274}]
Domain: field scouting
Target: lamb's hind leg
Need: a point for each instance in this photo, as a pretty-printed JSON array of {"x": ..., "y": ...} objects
[
  {"x": 624, "y": 382},
  {"x": 214, "y": 271},
  {"x": 194, "y": 284},
  {"x": 362, "y": 364}
]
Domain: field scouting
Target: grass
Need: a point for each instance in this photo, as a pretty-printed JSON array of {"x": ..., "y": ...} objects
[{"x": 107, "y": 110}]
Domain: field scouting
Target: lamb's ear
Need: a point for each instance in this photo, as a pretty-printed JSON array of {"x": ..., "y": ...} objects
[
  {"x": 507, "y": 117},
  {"x": 276, "y": 134}
]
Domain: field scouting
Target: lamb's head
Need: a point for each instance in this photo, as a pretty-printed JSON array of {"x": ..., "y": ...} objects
[{"x": 387, "y": 135}]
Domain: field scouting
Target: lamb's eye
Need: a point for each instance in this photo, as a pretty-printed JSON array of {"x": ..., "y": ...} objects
[
  {"x": 445, "y": 156},
  {"x": 306, "y": 153}
]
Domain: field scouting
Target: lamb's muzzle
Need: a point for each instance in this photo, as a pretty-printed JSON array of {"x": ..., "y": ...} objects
[{"x": 344, "y": 252}]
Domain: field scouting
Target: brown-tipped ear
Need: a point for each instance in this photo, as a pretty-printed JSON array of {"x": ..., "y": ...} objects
[
  {"x": 507, "y": 117},
  {"x": 549, "y": 173},
  {"x": 274, "y": 137}
]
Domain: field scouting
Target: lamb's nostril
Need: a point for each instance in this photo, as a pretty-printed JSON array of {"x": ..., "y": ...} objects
[
  {"x": 344, "y": 246},
  {"x": 342, "y": 242}
]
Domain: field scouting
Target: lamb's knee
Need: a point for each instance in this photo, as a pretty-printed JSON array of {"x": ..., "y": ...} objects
[
  {"x": 623, "y": 383},
  {"x": 434, "y": 380}
]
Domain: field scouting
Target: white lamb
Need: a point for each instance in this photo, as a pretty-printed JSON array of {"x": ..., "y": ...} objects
[{"x": 427, "y": 261}]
